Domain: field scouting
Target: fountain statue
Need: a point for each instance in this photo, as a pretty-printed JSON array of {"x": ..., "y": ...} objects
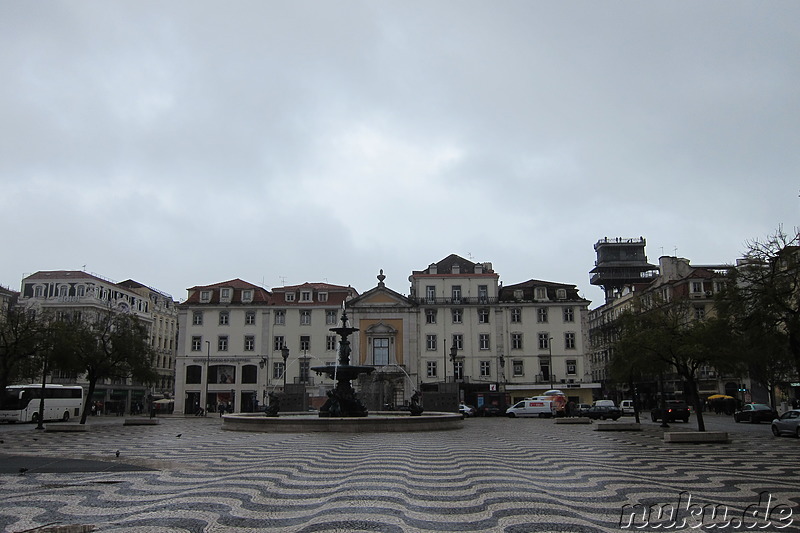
[{"x": 342, "y": 400}]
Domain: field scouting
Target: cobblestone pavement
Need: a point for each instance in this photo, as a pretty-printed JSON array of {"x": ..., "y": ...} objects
[{"x": 496, "y": 474}]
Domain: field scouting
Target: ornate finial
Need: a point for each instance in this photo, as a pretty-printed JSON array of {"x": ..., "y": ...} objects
[{"x": 381, "y": 277}]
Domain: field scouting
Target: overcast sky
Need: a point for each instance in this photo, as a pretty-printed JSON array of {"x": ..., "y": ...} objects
[{"x": 189, "y": 143}]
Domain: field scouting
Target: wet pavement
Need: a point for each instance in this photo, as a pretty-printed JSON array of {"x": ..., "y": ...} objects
[{"x": 495, "y": 474}]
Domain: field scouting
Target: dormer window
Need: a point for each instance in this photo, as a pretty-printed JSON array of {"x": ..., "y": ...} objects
[
  {"x": 289, "y": 296},
  {"x": 247, "y": 295},
  {"x": 561, "y": 294},
  {"x": 456, "y": 269},
  {"x": 205, "y": 296},
  {"x": 541, "y": 293},
  {"x": 225, "y": 295},
  {"x": 305, "y": 296},
  {"x": 518, "y": 294},
  {"x": 322, "y": 297}
]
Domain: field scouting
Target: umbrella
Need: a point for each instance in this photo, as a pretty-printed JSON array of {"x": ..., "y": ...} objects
[{"x": 720, "y": 397}]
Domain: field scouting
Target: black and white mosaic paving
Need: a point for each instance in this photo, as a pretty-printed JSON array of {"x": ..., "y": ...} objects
[{"x": 497, "y": 474}]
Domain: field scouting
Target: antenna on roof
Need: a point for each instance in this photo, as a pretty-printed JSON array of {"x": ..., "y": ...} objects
[
  {"x": 469, "y": 254},
  {"x": 283, "y": 280}
]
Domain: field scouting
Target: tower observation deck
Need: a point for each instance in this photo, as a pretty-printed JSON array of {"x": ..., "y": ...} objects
[{"x": 620, "y": 262}]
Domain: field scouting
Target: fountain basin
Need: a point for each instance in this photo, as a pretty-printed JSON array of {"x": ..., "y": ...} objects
[{"x": 376, "y": 422}]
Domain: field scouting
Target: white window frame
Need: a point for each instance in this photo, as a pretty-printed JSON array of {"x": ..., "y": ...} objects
[{"x": 484, "y": 341}]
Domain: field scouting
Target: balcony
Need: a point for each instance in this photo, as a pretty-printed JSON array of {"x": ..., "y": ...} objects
[{"x": 456, "y": 301}]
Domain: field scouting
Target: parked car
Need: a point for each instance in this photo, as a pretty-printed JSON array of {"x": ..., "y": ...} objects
[
  {"x": 609, "y": 403},
  {"x": 532, "y": 407},
  {"x": 466, "y": 410},
  {"x": 491, "y": 410},
  {"x": 603, "y": 412},
  {"x": 787, "y": 424},
  {"x": 581, "y": 408},
  {"x": 755, "y": 413},
  {"x": 675, "y": 410},
  {"x": 626, "y": 406}
]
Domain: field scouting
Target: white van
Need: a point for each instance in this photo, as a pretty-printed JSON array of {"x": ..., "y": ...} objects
[
  {"x": 532, "y": 407},
  {"x": 604, "y": 403},
  {"x": 626, "y": 406}
]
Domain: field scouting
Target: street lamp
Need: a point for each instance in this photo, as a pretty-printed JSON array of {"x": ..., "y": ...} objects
[
  {"x": 262, "y": 364},
  {"x": 285, "y": 355},
  {"x": 550, "y": 350},
  {"x": 453, "y": 357},
  {"x": 208, "y": 377}
]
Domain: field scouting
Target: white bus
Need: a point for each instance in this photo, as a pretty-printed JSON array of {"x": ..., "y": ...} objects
[{"x": 20, "y": 403}]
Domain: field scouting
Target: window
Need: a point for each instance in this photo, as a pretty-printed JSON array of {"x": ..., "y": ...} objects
[
  {"x": 305, "y": 296},
  {"x": 430, "y": 316},
  {"x": 518, "y": 294},
  {"x": 280, "y": 317},
  {"x": 483, "y": 316},
  {"x": 544, "y": 341},
  {"x": 249, "y": 343},
  {"x": 458, "y": 341},
  {"x": 569, "y": 314},
  {"x": 699, "y": 312},
  {"x": 63, "y": 290},
  {"x": 224, "y": 318},
  {"x": 456, "y": 293},
  {"x": 305, "y": 370},
  {"x": 277, "y": 342},
  {"x": 569, "y": 340},
  {"x": 458, "y": 316},
  {"x": 205, "y": 296},
  {"x": 541, "y": 315},
  {"x": 197, "y": 318},
  {"x": 289, "y": 296},
  {"x": 249, "y": 374},
  {"x": 430, "y": 293},
  {"x": 247, "y": 295},
  {"x": 380, "y": 352},
  {"x": 483, "y": 341},
  {"x": 516, "y": 315},
  {"x": 322, "y": 296},
  {"x": 277, "y": 369},
  {"x": 516, "y": 341},
  {"x": 225, "y": 295},
  {"x": 81, "y": 291},
  {"x": 197, "y": 343},
  {"x": 458, "y": 369},
  {"x": 330, "y": 343},
  {"x": 305, "y": 318},
  {"x": 331, "y": 317},
  {"x": 194, "y": 374},
  {"x": 517, "y": 367},
  {"x": 38, "y": 291},
  {"x": 541, "y": 293},
  {"x": 485, "y": 369},
  {"x": 250, "y": 318},
  {"x": 697, "y": 286},
  {"x": 572, "y": 367},
  {"x": 222, "y": 343},
  {"x": 561, "y": 294},
  {"x": 431, "y": 369},
  {"x": 483, "y": 294},
  {"x": 305, "y": 342},
  {"x": 430, "y": 343}
]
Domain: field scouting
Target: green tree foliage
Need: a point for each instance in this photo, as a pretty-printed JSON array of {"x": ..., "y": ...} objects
[
  {"x": 666, "y": 338},
  {"x": 113, "y": 346},
  {"x": 762, "y": 303},
  {"x": 23, "y": 337}
]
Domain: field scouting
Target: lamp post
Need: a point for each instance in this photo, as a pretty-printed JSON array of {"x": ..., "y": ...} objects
[
  {"x": 453, "y": 357},
  {"x": 262, "y": 364},
  {"x": 285, "y": 355},
  {"x": 208, "y": 377},
  {"x": 550, "y": 350}
]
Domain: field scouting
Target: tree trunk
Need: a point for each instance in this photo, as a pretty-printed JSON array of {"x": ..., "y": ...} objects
[
  {"x": 698, "y": 407},
  {"x": 87, "y": 401}
]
